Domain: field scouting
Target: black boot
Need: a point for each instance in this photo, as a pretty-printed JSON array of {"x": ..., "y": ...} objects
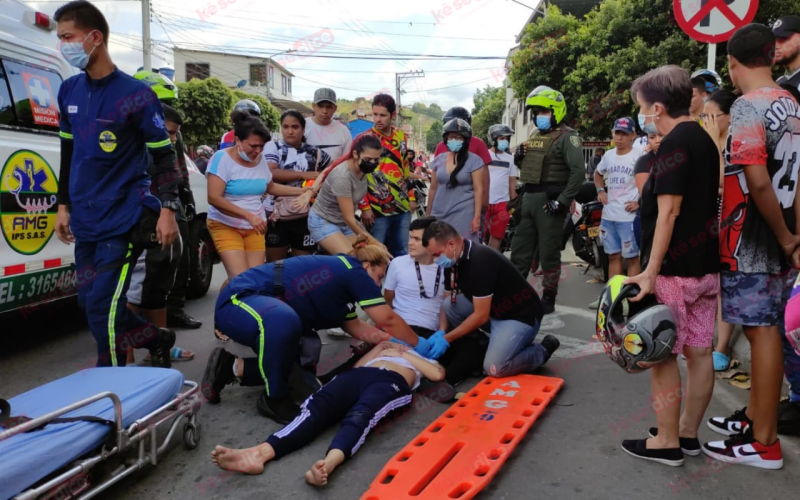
[
  {"x": 281, "y": 410},
  {"x": 551, "y": 343},
  {"x": 183, "y": 320},
  {"x": 549, "y": 301},
  {"x": 159, "y": 354},
  {"x": 789, "y": 418},
  {"x": 218, "y": 374}
]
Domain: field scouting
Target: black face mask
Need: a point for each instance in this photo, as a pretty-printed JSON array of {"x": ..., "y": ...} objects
[{"x": 368, "y": 166}]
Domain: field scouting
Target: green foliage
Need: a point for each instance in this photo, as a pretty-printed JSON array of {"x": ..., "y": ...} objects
[
  {"x": 595, "y": 60},
  {"x": 433, "y": 135},
  {"x": 489, "y": 105},
  {"x": 433, "y": 111},
  {"x": 269, "y": 114},
  {"x": 206, "y": 107}
]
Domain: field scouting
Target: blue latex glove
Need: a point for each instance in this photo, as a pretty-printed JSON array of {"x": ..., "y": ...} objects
[
  {"x": 440, "y": 344},
  {"x": 424, "y": 347},
  {"x": 398, "y": 341}
]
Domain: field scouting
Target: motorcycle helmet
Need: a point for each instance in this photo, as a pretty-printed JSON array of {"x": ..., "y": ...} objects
[
  {"x": 544, "y": 97},
  {"x": 499, "y": 130},
  {"x": 205, "y": 152},
  {"x": 460, "y": 126},
  {"x": 712, "y": 80},
  {"x": 635, "y": 335},
  {"x": 457, "y": 112},
  {"x": 248, "y": 106},
  {"x": 163, "y": 87}
]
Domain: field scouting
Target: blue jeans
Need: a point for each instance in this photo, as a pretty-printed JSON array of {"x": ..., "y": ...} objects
[
  {"x": 511, "y": 348},
  {"x": 392, "y": 231}
]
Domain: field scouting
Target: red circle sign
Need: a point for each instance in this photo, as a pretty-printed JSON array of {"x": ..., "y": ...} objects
[{"x": 710, "y": 21}]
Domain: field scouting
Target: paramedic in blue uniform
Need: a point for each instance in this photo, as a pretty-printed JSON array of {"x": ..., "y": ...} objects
[
  {"x": 111, "y": 124},
  {"x": 279, "y": 322}
]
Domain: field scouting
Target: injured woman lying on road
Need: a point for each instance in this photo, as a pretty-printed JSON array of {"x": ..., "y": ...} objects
[{"x": 379, "y": 383}]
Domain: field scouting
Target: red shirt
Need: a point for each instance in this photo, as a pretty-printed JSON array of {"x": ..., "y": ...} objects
[{"x": 476, "y": 146}]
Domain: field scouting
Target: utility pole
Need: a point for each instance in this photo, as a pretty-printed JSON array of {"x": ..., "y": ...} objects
[
  {"x": 399, "y": 80},
  {"x": 146, "y": 42}
]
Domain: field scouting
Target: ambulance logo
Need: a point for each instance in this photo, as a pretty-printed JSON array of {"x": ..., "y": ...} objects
[
  {"x": 41, "y": 99},
  {"x": 108, "y": 141},
  {"x": 28, "y": 201}
]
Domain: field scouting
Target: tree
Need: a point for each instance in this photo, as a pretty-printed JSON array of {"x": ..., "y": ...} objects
[
  {"x": 489, "y": 106},
  {"x": 269, "y": 114},
  {"x": 206, "y": 107},
  {"x": 433, "y": 135}
]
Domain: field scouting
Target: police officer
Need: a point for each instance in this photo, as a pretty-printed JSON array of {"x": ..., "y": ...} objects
[{"x": 552, "y": 168}]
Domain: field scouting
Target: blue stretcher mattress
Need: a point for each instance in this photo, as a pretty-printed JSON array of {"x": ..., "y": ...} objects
[{"x": 29, "y": 457}]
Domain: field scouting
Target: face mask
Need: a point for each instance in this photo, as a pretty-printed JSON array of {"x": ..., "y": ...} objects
[
  {"x": 650, "y": 128},
  {"x": 74, "y": 54},
  {"x": 367, "y": 166},
  {"x": 543, "y": 122},
  {"x": 444, "y": 261},
  {"x": 454, "y": 145},
  {"x": 502, "y": 145},
  {"x": 244, "y": 156}
]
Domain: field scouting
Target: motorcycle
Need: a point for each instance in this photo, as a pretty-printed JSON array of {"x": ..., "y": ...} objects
[{"x": 583, "y": 226}]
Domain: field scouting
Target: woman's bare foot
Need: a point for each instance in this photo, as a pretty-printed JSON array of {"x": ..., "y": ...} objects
[
  {"x": 317, "y": 475},
  {"x": 246, "y": 461},
  {"x": 221, "y": 336}
]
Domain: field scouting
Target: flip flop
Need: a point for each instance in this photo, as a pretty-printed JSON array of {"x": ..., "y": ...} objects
[
  {"x": 176, "y": 354},
  {"x": 721, "y": 362}
]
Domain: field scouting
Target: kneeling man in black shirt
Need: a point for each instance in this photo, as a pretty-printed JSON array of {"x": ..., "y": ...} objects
[{"x": 485, "y": 287}]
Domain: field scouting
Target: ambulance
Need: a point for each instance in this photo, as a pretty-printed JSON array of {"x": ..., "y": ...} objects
[{"x": 35, "y": 266}]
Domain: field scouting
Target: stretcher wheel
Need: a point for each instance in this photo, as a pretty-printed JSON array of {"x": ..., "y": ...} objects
[{"x": 191, "y": 435}]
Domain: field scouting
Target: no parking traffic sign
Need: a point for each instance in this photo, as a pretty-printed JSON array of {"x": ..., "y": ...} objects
[{"x": 713, "y": 21}]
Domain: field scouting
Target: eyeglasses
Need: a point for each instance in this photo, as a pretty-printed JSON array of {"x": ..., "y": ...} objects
[{"x": 703, "y": 116}]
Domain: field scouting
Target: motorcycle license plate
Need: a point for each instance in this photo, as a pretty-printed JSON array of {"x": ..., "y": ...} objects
[{"x": 593, "y": 231}]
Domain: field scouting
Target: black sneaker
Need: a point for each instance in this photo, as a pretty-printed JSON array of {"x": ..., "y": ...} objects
[
  {"x": 689, "y": 446},
  {"x": 789, "y": 418},
  {"x": 548, "y": 302},
  {"x": 551, "y": 343},
  {"x": 666, "y": 456},
  {"x": 441, "y": 392},
  {"x": 183, "y": 320},
  {"x": 159, "y": 354},
  {"x": 738, "y": 423},
  {"x": 218, "y": 374},
  {"x": 281, "y": 410}
]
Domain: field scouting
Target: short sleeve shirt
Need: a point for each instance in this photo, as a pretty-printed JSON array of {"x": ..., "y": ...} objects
[
  {"x": 620, "y": 184},
  {"x": 402, "y": 279},
  {"x": 334, "y": 138},
  {"x": 500, "y": 169},
  {"x": 340, "y": 183},
  {"x": 245, "y": 187},
  {"x": 764, "y": 129}
]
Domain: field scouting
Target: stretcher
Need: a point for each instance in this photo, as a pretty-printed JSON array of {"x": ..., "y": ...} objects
[
  {"x": 92, "y": 429},
  {"x": 460, "y": 452}
]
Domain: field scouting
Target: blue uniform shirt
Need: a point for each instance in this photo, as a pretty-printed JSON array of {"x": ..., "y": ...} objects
[
  {"x": 114, "y": 123},
  {"x": 323, "y": 290}
]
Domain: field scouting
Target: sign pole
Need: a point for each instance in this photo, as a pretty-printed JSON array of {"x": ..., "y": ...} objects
[{"x": 712, "y": 56}]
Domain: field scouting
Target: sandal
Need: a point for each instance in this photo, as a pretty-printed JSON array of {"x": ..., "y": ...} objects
[
  {"x": 721, "y": 362},
  {"x": 176, "y": 354},
  {"x": 220, "y": 336}
]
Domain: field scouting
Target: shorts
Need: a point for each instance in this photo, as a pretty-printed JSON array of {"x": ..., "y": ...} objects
[
  {"x": 153, "y": 276},
  {"x": 693, "y": 302},
  {"x": 290, "y": 233},
  {"x": 755, "y": 299},
  {"x": 320, "y": 228},
  {"x": 619, "y": 237},
  {"x": 227, "y": 238},
  {"x": 497, "y": 220}
]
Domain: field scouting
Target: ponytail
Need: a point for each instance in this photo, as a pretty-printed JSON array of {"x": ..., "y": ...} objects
[{"x": 364, "y": 251}]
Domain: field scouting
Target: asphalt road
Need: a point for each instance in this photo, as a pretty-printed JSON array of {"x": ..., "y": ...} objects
[{"x": 572, "y": 450}]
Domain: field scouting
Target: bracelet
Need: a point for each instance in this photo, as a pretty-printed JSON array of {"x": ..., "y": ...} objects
[{"x": 600, "y": 190}]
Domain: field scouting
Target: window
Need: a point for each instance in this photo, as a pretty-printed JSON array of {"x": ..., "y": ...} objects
[
  {"x": 525, "y": 114},
  {"x": 34, "y": 93},
  {"x": 258, "y": 74},
  {"x": 201, "y": 71},
  {"x": 6, "y": 108},
  {"x": 272, "y": 77},
  {"x": 283, "y": 84},
  {"x": 290, "y": 86}
]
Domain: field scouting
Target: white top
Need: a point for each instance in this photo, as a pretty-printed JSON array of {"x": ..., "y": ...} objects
[
  {"x": 402, "y": 279},
  {"x": 500, "y": 169},
  {"x": 620, "y": 184},
  {"x": 640, "y": 143},
  {"x": 245, "y": 187},
  {"x": 334, "y": 139},
  {"x": 402, "y": 362}
]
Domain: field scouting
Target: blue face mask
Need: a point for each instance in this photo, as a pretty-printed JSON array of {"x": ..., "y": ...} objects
[
  {"x": 444, "y": 261},
  {"x": 243, "y": 156},
  {"x": 74, "y": 54},
  {"x": 502, "y": 145},
  {"x": 454, "y": 145},
  {"x": 543, "y": 123},
  {"x": 648, "y": 129}
]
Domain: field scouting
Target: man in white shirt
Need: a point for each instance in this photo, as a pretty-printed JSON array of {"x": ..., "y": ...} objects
[
  {"x": 323, "y": 131},
  {"x": 621, "y": 199},
  {"x": 502, "y": 184}
]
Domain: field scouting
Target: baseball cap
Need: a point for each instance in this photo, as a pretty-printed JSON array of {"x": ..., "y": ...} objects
[
  {"x": 624, "y": 125},
  {"x": 786, "y": 26},
  {"x": 324, "y": 95}
]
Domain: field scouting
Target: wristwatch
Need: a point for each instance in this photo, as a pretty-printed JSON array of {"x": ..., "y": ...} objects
[
  {"x": 600, "y": 190},
  {"x": 173, "y": 205}
]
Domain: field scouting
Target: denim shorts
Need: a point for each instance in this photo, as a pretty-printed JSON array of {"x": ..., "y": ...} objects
[
  {"x": 321, "y": 229},
  {"x": 619, "y": 237}
]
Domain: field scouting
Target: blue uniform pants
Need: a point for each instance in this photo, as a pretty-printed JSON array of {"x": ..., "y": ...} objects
[
  {"x": 272, "y": 329},
  {"x": 359, "y": 398},
  {"x": 106, "y": 266}
]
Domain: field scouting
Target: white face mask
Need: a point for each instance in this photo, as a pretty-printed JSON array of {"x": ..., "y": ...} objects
[{"x": 74, "y": 54}]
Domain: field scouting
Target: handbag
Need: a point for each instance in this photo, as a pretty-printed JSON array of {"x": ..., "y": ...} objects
[{"x": 284, "y": 206}]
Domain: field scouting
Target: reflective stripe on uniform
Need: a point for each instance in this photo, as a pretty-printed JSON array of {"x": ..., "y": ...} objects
[
  {"x": 155, "y": 145},
  {"x": 371, "y": 302},
  {"x": 345, "y": 262},
  {"x": 112, "y": 316},
  {"x": 64, "y": 135},
  {"x": 256, "y": 316}
]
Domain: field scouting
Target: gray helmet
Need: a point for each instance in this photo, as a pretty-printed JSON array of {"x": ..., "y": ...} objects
[
  {"x": 635, "y": 335},
  {"x": 248, "y": 106},
  {"x": 459, "y": 126},
  {"x": 499, "y": 130}
]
